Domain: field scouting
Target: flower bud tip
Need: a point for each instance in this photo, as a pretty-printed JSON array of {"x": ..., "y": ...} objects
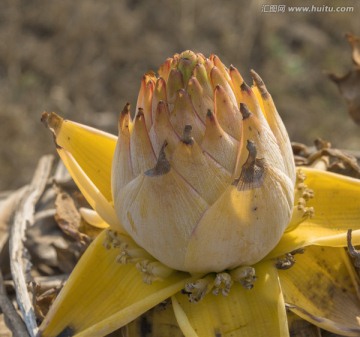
[
  {"x": 245, "y": 112},
  {"x": 210, "y": 115},
  {"x": 245, "y": 87},
  {"x": 250, "y": 146},
  {"x": 259, "y": 83},
  {"x": 140, "y": 113},
  {"x": 187, "y": 137},
  {"x": 162, "y": 165},
  {"x": 252, "y": 172}
]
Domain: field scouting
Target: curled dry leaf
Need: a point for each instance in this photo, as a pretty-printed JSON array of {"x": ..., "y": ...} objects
[
  {"x": 324, "y": 157},
  {"x": 43, "y": 298},
  {"x": 349, "y": 84},
  {"x": 68, "y": 217}
]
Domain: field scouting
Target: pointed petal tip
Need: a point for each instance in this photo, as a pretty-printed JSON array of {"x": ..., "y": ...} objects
[
  {"x": 124, "y": 117},
  {"x": 162, "y": 165},
  {"x": 245, "y": 88},
  {"x": 210, "y": 114},
  {"x": 260, "y": 84},
  {"x": 245, "y": 112},
  {"x": 162, "y": 107},
  {"x": 126, "y": 109},
  {"x": 140, "y": 113},
  {"x": 187, "y": 135}
]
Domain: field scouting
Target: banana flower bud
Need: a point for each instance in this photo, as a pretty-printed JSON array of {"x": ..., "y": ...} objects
[{"x": 203, "y": 175}]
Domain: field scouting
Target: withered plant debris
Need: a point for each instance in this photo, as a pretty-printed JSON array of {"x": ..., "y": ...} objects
[
  {"x": 300, "y": 328},
  {"x": 323, "y": 156},
  {"x": 354, "y": 253},
  {"x": 349, "y": 84},
  {"x": 68, "y": 217}
]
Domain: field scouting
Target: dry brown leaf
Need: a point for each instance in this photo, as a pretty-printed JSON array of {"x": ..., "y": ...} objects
[
  {"x": 43, "y": 300},
  {"x": 68, "y": 217},
  {"x": 355, "y": 45},
  {"x": 349, "y": 86},
  {"x": 68, "y": 257}
]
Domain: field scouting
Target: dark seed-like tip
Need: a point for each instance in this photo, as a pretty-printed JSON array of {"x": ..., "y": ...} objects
[
  {"x": 161, "y": 107},
  {"x": 209, "y": 113},
  {"x": 252, "y": 172},
  {"x": 187, "y": 135},
  {"x": 251, "y": 147},
  {"x": 245, "y": 112},
  {"x": 260, "y": 84},
  {"x": 162, "y": 165},
  {"x": 245, "y": 87},
  {"x": 140, "y": 113},
  {"x": 126, "y": 109}
]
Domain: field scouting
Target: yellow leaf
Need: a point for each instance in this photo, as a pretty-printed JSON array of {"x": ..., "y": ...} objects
[
  {"x": 337, "y": 209},
  {"x": 102, "y": 295},
  {"x": 320, "y": 289}
]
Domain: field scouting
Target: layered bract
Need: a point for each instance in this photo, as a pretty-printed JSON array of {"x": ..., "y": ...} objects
[{"x": 203, "y": 176}]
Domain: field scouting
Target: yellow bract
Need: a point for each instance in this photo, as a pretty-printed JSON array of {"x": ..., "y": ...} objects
[
  {"x": 102, "y": 295},
  {"x": 322, "y": 287},
  {"x": 92, "y": 149},
  {"x": 244, "y": 313},
  {"x": 337, "y": 209}
]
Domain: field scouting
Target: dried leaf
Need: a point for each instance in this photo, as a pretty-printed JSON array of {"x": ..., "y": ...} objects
[
  {"x": 68, "y": 217},
  {"x": 68, "y": 257},
  {"x": 301, "y": 328},
  {"x": 355, "y": 45},
  {"x": 40, "y": 240},
  {"x": 349, "y": 86},
  {"x": 43, "y": 299}
]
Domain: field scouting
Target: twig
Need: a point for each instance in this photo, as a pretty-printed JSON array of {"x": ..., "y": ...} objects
[
  {"x": 19, "y": 263},
  {"x": 16, "y": 324}
]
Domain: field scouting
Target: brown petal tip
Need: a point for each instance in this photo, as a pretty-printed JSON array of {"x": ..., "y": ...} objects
[
  {"x": 245, "y": 112},
  {"x": 253, "y": 171},
  {"x": 245, "y": 88},
  {"x": 260, "y": 84},
  {"x": 187, "y": 135},
  {"x": 162, "y": 165},
  {"x": 140, "y": 113},
  {"x": 210, "y": 115},
  {"x": 52, "y": 121},
  {"x": 126, "y": 109},
  {"x": 123, "y": 122}
]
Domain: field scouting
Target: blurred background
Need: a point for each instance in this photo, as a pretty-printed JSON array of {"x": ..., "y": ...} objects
[{"x": 84, "y": 60}]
